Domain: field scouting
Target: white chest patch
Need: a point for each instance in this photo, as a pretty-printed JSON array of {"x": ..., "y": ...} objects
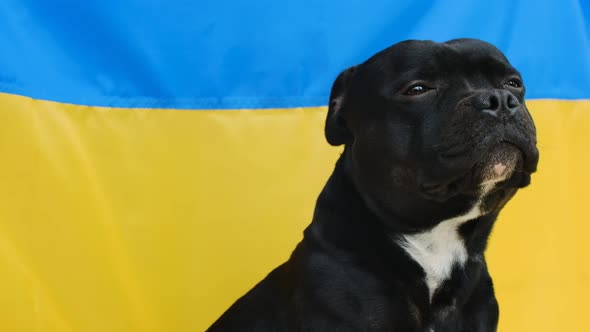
[{"x": 440, "y": 248}]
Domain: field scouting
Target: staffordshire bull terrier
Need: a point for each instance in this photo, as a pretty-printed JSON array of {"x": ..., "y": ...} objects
[{"x": 437, "y": 138}]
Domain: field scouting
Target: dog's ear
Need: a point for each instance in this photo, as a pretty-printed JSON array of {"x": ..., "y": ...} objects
[{"x": 337, "y": 131}]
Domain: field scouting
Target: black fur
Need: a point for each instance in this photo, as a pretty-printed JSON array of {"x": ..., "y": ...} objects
[{"x": 410, "y": 161}]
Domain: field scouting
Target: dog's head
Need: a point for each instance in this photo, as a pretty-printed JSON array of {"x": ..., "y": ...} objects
[{"x": 427, "y": 125}]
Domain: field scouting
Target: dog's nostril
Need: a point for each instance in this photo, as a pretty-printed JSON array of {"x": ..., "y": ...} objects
[
  {"x": 512, "y": 101},
  {"x": 494, "y": 102},
  {"x": 488, "y": 102},
  {"x": 497, "y": 103}
]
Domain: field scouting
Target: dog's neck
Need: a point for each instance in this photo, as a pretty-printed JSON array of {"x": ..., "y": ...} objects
[
  {"x": 345, "y": 224},
  {"x": 441, "y": 248}
]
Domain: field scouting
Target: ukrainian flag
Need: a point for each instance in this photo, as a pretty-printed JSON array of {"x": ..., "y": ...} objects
[{"x": 158, "y": 158}]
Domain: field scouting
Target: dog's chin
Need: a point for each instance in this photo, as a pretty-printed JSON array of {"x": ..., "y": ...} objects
[{"x": 500, "y": 166}]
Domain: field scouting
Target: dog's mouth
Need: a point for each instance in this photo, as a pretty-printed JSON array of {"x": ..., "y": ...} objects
[{"x": 503, "y": 164}]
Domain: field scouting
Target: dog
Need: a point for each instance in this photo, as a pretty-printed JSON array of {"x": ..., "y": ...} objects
[{"x": 437, "y": 138}]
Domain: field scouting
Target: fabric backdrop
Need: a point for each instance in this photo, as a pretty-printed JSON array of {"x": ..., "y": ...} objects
[{"x": 158, "y": 158}]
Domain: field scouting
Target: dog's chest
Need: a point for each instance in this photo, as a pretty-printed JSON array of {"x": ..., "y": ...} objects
[{"x": 439, "y": 249}]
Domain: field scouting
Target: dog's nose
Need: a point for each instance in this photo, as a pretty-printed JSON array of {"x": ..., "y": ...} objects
[{"x": 496, "y": 102}]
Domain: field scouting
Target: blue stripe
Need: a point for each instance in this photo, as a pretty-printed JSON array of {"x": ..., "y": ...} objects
[{"x": 265, "y": 53}]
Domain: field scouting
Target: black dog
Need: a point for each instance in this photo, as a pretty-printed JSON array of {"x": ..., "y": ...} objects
[{"x": 437, "y": 139}]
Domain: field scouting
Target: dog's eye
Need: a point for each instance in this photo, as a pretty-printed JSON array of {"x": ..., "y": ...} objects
[
  {"x": 416, "y": 89},
  {"x": 514, "y": 83}
]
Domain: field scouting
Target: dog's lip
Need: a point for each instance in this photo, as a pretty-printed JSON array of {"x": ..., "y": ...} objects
[
  {"x": 453, "y": 153},
  {"x": 443, "y": 190},
  {"x": 438, "y": 190},
  {"x": 465, "y": 155}
]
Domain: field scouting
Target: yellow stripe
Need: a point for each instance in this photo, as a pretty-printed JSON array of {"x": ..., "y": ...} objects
[{"x": 157, "y": 220}]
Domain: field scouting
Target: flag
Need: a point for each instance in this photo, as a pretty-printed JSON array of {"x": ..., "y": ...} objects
[{"x": 158, "y": 158}]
